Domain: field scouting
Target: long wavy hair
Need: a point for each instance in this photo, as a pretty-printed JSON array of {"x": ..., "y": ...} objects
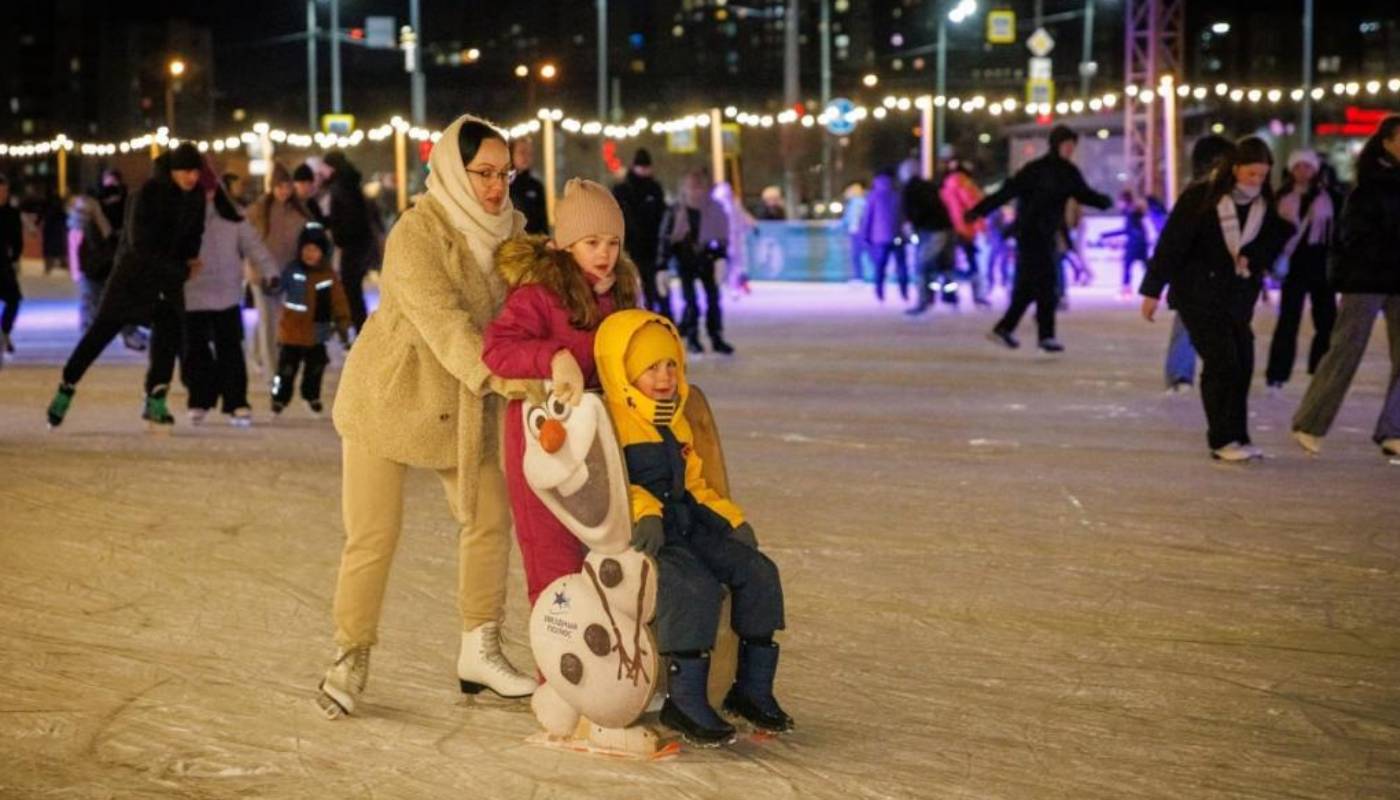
[
  {"x": 1249, "y": 150},
  {"x": 1374, "y": 150},
  {"x": 530, "y": 259},
  {"x": 262, "y": 219}
]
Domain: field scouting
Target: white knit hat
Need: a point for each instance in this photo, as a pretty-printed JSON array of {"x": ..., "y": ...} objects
[
  {"x": 586, "y": 209},
  {"x": 1304, "y": 156}
]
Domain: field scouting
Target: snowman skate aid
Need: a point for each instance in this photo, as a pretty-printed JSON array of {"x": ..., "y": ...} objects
[{"x": 589, "y": 631}]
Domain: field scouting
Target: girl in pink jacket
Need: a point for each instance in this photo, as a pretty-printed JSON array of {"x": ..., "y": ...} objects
[{"x": 562, "y": 288}]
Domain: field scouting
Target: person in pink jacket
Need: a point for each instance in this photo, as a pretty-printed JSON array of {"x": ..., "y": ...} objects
[
  {"x": 562, "y": 288},
  {"x": 960, "y": 193}
]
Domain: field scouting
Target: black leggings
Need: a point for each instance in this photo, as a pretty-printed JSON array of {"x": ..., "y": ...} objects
[
  {"x": 10, "y": 295},
  {"x": 699, "y": 266},
  {"x": 167, "y": 337},
  {"x": 214, "y": 367}
]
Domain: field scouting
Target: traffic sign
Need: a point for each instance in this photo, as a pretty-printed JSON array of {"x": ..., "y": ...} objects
[
  {"x": 1041, "y": 69},
  {"x": 1040, "y": 91},
  {"x": 379, "y": 32},
  {"x": 1001, "y": 26},
  {"x": 840, "y": 113},
  {"x": 338, "y": 124},
  {"x": 1040, "y": 43}
]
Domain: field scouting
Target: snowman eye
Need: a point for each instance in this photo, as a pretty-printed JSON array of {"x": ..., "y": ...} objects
[
  {"x": 535, "y": 420},
  {"x": 559, "y": 409}
]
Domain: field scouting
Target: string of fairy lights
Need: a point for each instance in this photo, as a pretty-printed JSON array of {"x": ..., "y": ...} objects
[{"x": 890, "y": 107}]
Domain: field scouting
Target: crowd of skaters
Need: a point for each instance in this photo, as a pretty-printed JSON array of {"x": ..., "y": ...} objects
[{"x": 937, "y": 235}]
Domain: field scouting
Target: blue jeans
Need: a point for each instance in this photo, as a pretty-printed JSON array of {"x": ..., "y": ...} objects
[{"x": 1181, "y": 356}]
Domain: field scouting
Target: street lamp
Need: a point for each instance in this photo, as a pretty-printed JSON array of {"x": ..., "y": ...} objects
[
  {"x": 548, "y": 71},
  {"x": 174, "y": 70},
  {"x": 870, "y": 80}
]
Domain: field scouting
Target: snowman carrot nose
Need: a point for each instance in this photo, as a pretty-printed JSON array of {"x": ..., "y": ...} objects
[{"x": 552, "y": 436}]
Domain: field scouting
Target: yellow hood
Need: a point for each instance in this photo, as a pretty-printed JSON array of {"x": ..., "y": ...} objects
[{"x": 610, "y": 351}]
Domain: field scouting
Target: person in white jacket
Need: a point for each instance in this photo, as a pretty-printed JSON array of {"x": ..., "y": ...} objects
[{"x": 213, "y": 368}]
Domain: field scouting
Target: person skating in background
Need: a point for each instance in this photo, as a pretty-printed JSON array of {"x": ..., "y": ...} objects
[
  {"x": 314, "y": 307},
  {"x": 927, "y": 219},
  {"x": 1041, "y": 190},
  {"x": 852, "y": 214},
  {"x": 701, "y": 541},
  {"x": 1365, "y": 268},
  {"x": 1307, "y": 205},
  {"x": 1179, "y": 368},
  {"x": 881, "y": 232},
  {"x": 213, "y": 367},
  {"x": 11, "y": 247},
  {"x": 562, "y": 289},
  {"x": 159, "y": 251},
  {"x": 92, "y": 247},
  {"x": 53, "y": 233},
  {"x": 278, "y": 217},
  {"x": 960, "y": 193},
  {"x": 771, "y": 206},
  {"x": 1001, "y": 248},
  {"x": 643, "y": 203},
  {"x": 735, "y": 273},
  {"x": 526, "y": 191},
  {"x": 304, "y": 185},
  {"x": 696, "y": 231},
  {"x": 348, "y": 220},
  {"x": 1134, "y": 236},
  {"x": 1221, "y": 238}
]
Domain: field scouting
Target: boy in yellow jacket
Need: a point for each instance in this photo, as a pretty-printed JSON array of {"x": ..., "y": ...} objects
[{"x": 699, "y": 539}]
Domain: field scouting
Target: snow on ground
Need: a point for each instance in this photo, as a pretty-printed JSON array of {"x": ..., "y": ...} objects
[{"x": 1007, "y": 574}]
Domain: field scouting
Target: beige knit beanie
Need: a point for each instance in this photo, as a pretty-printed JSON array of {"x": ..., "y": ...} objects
[{"x": 586, "y": 209}]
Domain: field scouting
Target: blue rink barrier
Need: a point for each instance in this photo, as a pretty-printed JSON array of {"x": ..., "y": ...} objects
[{"x": 802, "y": 250}]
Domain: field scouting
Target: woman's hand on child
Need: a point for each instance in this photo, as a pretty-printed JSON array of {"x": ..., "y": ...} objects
[
  {"x": 567, "y": 377},
  {"x": 744, "y": 535},
  {"x": 648, "y": 535}
]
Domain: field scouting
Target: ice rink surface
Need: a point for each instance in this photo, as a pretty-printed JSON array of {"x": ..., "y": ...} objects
[{"x": 1008, "y": 575}]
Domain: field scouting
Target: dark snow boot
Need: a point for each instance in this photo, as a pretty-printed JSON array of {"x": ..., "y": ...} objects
[
  {"x": 58, "y": 407},
  {"x": 751, "y": 697},
  {"x": 687, "y": 709}
]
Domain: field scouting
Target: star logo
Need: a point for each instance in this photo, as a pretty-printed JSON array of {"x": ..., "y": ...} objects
[{"x": 561, "y": 601}]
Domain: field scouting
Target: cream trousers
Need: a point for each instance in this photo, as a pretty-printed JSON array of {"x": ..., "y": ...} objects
[{"x": 372, "y": 504}]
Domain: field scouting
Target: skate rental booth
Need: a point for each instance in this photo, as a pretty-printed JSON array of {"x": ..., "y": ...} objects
[{"x": 589, "y": 631}]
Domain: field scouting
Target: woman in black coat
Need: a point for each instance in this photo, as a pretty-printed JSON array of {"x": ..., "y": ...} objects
[
  {"x": 1365, "y": 268},
  {"x": 158, "y": 252},
  {"x": 1217, "y": 244}
]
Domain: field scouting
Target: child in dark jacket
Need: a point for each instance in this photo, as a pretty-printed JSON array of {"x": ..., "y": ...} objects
[
  {"x": 700, "y": 539},
  {"x": 562, "y": 290},
  {"x": 314, "y": 305}
]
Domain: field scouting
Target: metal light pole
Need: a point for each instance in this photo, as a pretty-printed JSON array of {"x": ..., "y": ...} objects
[
  {"x": 311, "y": 65},
  {"x": 941, "y": 90},
  {"x": 417, "y": 81},
  {"x": 791, "y": 95},
  {"x": 1086, "y": 68},
  {"x": 1306, "y": 116},
  {"x": 174, "y": 70},
  {"x": 335, "y": 57},
  {"x": 825, "y": 34},
  {"x": 602, "y": 60}
]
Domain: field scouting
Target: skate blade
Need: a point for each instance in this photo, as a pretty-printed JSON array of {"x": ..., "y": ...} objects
[
  {"x": 480, "y": 691},
  {"x": 331, "y": 706},
  {"x": 157, "y": 429}
]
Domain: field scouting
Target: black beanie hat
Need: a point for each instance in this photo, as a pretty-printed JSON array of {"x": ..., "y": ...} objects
[
  {"x": 1062, "y": 133},
  {"x": 642, "y": 158},
  {"x": 303, "y": 173},
  {"x": 186, "y": 156},
  {"x": 315, "y": 233}
]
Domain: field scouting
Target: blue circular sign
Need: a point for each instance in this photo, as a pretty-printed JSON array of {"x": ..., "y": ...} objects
[{"x": 840, "y": 114}]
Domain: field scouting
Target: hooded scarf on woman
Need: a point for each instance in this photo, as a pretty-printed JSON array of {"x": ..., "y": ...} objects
[{"x": 449, "y": 184}]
